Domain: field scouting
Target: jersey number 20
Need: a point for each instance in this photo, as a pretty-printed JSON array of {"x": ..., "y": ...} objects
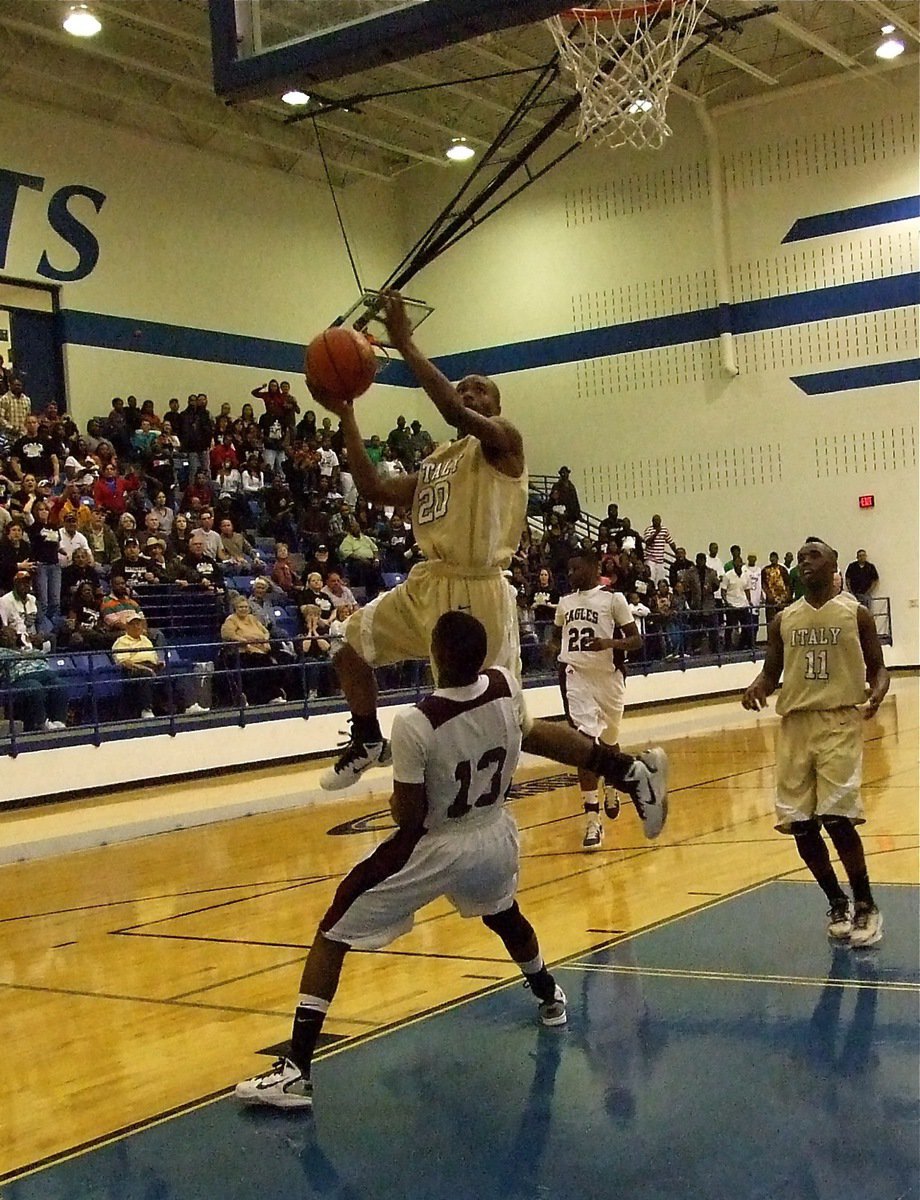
[
  {"x": 432, "y": 501},
  {"x": 494, "y": 758}
]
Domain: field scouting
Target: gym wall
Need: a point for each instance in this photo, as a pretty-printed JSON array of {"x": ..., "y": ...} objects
[
  {"x": 210, "y": 274},
  {"x": 618, "y": 247}
]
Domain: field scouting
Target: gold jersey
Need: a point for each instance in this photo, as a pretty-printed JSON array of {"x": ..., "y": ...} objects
[
  {"x": 823, "y": 665},
  {"x": 466, "y": 513}
]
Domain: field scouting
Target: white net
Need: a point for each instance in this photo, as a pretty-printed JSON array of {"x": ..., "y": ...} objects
[{"x": 623, "y": 60}]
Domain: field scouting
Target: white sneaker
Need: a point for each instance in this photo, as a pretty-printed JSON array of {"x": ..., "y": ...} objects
[
  {"x": 867, "y": 926},
  {"x": 648, "y": 780},
  {"x": 839, "y": 921},
  {"x": 281, "y": 1086},
  {"x": 53, "y": 726},
  {"x": 196, "y": 709},
  {"x": 147, "y": 714},
  {"x": 594, "y": 834},
  {"x": 552, "y": 1012},
  {"x": 279, "y": 699},
  {"x": 353, "y": 762}
]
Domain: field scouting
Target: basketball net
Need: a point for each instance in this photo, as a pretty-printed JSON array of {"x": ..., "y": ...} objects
[{"x": 623, "y": 60}]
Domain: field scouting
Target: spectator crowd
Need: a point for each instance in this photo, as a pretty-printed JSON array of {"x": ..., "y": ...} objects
[{"x": 257, "y": 516}]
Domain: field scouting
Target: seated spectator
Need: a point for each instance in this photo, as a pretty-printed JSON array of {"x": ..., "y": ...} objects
[
  {"x": 15, "y": 554},
  {"x": 178, "y": 538},
  {"x": 83, "y": 628},
  {"x": 164, "y": 514},
  {"x": 315, "y": 594},
  {"x": 38, "y": 695},
  {"x": 134, "y": 654},
  {"x": 263, "y": 598},
  {"x": 118, "y": 606},
  {"x": 237, "y": 553},
  {"x": 315, "y": 628},
  {"x": 224, "y": 456},
  {"x": 126, "y": 528},
  {"x": 80, "y": 571},
  {"x": 134, "y": 566},
  {"x": 144, "y": 440},
  {"x": 361, "y": 559},
  {"x": 155, "y": 552},
  {"x": 253, "y": 478},
  {"x": 19, "y": 612},
  {"x": 197, "y": 495},
  {"x": 531, "y": 653},
  {"x": 337, "y": 626},
  {"x": 283, "y": 573},
  {"x": 340, "y": 594},
  {"x": 199, "y": 569},
  {"x": 210, "y": 536},
  {"x": 251, "y": 641}
]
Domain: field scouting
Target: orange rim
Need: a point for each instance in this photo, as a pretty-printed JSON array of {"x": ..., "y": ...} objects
[{"x": 625, "y": 12}]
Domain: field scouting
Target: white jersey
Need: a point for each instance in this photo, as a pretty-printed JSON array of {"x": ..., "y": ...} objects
[
  {"x": 584, "y": 616},
  {"x": 463, "y": 744}
]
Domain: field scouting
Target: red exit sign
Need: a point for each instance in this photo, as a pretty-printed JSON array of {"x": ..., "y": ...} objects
[{"x": 867, "y": 502}]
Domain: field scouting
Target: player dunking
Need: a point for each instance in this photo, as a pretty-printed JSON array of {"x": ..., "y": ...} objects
[
  {"x": 454, "y": 757},
  {"x": 593, "y": 632},
  {"x": 469, "y": 499},
  {"x": 826, "y": 648}
]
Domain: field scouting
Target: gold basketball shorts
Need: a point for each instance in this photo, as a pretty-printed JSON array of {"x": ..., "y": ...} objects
[{"x": 819, "y": 766}]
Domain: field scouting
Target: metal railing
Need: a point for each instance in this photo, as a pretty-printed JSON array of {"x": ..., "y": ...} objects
[{"x": 210, "y": 683}]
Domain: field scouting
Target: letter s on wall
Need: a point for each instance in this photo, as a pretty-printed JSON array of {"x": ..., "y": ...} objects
[{"x": 74, "y": 232}]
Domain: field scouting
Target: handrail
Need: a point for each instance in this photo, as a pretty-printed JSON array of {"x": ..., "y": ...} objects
[{"x": 97, "y": 689}]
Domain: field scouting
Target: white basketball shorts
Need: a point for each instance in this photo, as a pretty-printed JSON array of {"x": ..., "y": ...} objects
[
  {"x": 594, "y": 701},
  {"x": 475, "y": 869}
]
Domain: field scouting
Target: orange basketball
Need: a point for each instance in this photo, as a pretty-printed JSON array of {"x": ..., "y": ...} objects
[{"x": 341, "y": 361}]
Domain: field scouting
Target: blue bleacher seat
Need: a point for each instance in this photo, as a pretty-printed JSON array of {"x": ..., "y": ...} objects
[
  {"x": 73, "y": 673},
  {"x": 392, "y": 578}
]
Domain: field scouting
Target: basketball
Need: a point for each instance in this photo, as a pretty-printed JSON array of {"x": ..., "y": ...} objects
[{"x": 341, "y": 362}]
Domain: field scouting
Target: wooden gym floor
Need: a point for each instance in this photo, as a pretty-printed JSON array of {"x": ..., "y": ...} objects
[{"x": 140, "y": 978}]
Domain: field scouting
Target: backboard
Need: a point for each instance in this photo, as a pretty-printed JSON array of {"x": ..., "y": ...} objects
[{"x": 264, "y": 47}]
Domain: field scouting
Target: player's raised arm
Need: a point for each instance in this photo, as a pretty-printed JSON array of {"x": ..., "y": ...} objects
[
  {"x": 876, "y": 672},
  {"x": 475, "y": 411},
  {"x": 755, "y": 698}
]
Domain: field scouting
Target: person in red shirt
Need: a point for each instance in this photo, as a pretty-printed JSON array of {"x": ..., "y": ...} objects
[
  {"x": 109, "y": 492},
  {"x": 224, "y": 453}
]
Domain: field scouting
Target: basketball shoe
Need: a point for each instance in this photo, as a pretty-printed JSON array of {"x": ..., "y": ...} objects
[
  {"x": 867, "y": 926},
  {"x": 611, "y": 802},
  {"x": 354, "y": 760},
  {"x": 646, "y": 784},
  {"x": 552, "y": 1012},
  {"x": 281, "y": 1086},
  {"x": 594, "y": 834},
  {"x": 839, "y": 920}
]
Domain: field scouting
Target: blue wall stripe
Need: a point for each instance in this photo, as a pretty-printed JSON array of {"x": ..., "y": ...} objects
[
  {"x": 208, "y": 345},
  {"x": 861, "y": 217},
  {"x": 851, "y": 378}
]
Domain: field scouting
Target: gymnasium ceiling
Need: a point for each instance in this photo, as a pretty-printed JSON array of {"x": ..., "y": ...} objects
[{"x": 149, "y": 70}]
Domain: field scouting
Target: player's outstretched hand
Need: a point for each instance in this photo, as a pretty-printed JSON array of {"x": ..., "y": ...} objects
[
  {"x": 396, "y": 318},
  {"x": 755, "y": 698},
  {"x": 333, "y": 404}
]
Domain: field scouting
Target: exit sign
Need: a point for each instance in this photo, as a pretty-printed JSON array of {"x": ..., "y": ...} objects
[{"x": 867, "y": 502}]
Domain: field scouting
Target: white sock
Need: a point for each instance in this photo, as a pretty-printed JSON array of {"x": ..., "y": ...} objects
[
  {"x": 590, "y": 802},
  {"x": 531, "y": 968}
]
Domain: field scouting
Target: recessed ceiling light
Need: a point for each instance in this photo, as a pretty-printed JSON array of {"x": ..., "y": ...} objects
[
  {"x": 640, "y": 106},
  {"x": 80, "y": 22},
  {"x": 460, "y": 150},
  {"x": 890, "y": 48},
  {"x": 887, "y": 29},
  {"x": 296, "y": 99}
]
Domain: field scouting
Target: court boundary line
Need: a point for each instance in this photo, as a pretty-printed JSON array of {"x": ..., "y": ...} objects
[
  {"x": 347, "y": 1043},
  {"x": 716, "y": 976}
]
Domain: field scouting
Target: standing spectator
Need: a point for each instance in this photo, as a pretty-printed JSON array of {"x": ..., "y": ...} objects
[
  {"x": 420, "y": 443},
  {"x": 680, "y": 564},
  {"x": 861, "y": 578},
  {"x": 15, "y": 554},
  {"x": 657, "y": 539},
  {"x": 544, "y": 600},
  {"x": 400, "y": 442},
  {"x": 736, "y": 595},
  {"x": 702, "y": 583},
  {"x": 274, "y": 434},
  {"x": 34, "y": 453},
  {"x": 15, "y": 406},
  {"x": 628, "y": 539},
  {"x": 197, "y": 435},
  {"x": 755, "y": 586},
  {"x": 103, "y": 544},
  {"x": 568, "y": 495},
  {"x": 777, "y": 590},
  {"x": 70, "y": 539},
  {"x": 110, "y": 492},
  {"x": 45, "y": 540}
]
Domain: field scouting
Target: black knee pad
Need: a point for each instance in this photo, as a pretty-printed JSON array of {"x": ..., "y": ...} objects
[
  {"x": 500, "y": 922},
  {"x": 833, "y": 824}
]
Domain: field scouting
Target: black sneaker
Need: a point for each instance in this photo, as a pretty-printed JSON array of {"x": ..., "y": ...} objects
[{"x": 611, "y": 803}]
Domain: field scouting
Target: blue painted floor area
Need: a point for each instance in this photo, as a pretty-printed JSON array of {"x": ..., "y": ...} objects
[{"x": 666, "y": 1084}]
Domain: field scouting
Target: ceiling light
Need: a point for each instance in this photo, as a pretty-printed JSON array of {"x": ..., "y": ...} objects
[
  {"x": 887, "y": 29},
  {"x": 640, "y": 106},
  {"x": 80, "y": 22},
  {"x": 890, "y": 48},
  {"x": 460, "y": 150},
  {"x": 296, "y": 99}
]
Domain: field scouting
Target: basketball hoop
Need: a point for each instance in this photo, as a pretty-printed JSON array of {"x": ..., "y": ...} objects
[{"x": 623, "y": 60}]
